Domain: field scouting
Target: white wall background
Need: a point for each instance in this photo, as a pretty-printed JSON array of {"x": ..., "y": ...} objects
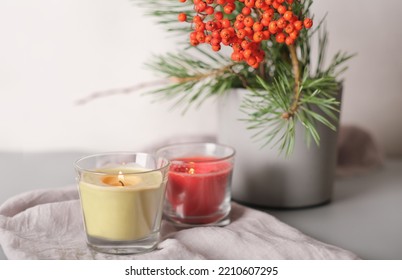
[{"x": 54, "y": 52}]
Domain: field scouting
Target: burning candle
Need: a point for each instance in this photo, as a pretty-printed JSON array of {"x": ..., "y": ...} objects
[
  {"x": 121, "y": 207},
  {"x": 198, "y": 190},
  {"x": 122, "y": 204}
]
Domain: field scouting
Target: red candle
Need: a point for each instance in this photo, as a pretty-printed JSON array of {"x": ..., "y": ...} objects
[{"x": 197, "y": 187}]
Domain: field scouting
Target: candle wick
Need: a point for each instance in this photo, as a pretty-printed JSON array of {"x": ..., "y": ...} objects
[{"x": 122, "y": 184}]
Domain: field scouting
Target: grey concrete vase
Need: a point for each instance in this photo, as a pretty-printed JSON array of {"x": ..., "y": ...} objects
[{"x": 264, "y": 178}]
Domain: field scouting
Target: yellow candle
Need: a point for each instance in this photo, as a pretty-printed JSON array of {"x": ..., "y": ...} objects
[{"x": 121, "y": 206}]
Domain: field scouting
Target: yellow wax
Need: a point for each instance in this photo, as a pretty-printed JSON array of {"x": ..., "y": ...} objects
[{"x": 122, "y": 212}]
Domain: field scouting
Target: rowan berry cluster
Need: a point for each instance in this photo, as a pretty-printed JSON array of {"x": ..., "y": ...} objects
[{"x": 218, "y": 22}]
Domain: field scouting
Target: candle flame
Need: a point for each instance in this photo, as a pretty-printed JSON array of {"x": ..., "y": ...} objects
[
  {"x": 120, "y": 177},
  {"x": 191, "y": 170}
]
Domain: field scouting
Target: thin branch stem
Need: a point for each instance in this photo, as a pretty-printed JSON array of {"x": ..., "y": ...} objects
[
  {"x": 296, "y": 72},
  {"x": 213, "y": 73},
  {"x": 126, "y": 90}
]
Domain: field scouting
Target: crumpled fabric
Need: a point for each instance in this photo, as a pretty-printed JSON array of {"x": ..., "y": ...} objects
[{"x": 47, "y": 224}]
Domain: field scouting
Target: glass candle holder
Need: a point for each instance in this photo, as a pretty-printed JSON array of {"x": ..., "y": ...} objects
[
  {"x": 122, "y": 197},
  {"x": 198, "y": 189}
]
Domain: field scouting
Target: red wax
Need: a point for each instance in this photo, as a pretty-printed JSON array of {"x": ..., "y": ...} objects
[{"x": 197, "y": 188}]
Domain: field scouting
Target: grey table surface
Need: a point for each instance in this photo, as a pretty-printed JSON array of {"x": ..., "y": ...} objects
[{"x": 363, "y": 217}]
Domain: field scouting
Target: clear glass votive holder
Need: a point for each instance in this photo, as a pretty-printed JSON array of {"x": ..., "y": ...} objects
[
  {"x": 122, "y": 198},
  {"x": 198, "y": 190}
]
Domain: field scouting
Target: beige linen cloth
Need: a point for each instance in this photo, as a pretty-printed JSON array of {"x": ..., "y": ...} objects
[{"x": 47, "y": 224}]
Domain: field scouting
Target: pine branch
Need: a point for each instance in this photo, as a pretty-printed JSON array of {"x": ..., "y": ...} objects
[
  {"x": 193, "y": 80},
  {"x": 265, "y": 108}
]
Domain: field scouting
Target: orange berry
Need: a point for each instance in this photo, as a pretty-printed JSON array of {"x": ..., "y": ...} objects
[
  {"x": 225, "y": 34},
  {"x": 275, "y": 4},
  {"x": 240, "y": 17},
  {"x": 251, "y": 60},
  {"x": 246, "y": 11},
  {"x": 280, "y": 38},
  {"x": 281, "y": 23},
  {"x": 215, "y": 42},
  {"x": 258, "y": 36},
  {"x": 182, "y": 17},
  {"x": 236, "y": 56},
  {"x": 255, "y": 66},
  {"x": 218, "y": 15},
  {"x": 245, "y": 44},
  {"x": 249, "y": 3},
  {"x": 197, "y": 19},
  {"x": 194, "y": 42},
  {"x": 248, "y": 21},
  {"x": 289, "y": 41},
  {"x": 193, "y": 35},
  {"x": 182, "y": 1},
  {"x": 273, "y": 27},
  {"x": 241, "y": 33},
  {"x": 289, "y": 28},
  {"x": 199, "y": 26},
  {"x": 226, "y": 42},
  {"x": 308, "y": 23},
  {"x": 228, "y": 9},
  {"x": 249, "y": 31},
  {"x": 232, "y": 31},
  {"x": 225, "y": 23},
  {"x": 257, "y": 26},
  {"x": 209, "y": 10},
  {"x": 265, "y": 22},
  {"x": 298, "y": 25},
  {"x": 200, "y": 37},
  {"x": 247, "y": 53},
  {"x": 293, "y": 19},
  {"x": 259, "y": 4},
  {"x": 288, "y": 15},
  {"x": 266, "y": 34},
  {"x": 200, "y": 7},
  {"x": 294, "y": 35},
  {"x": 239, "y": 24},
  {"x": 216, "y": 34},
  {"x": 210, "y": 25},
  {"x": 216, "y": 48},
  {"x": 266, "y": 16},
  {"x": 236, "y": 47},
  {"x": 270, "y": 12},
  {"x": 282, "y": 9}
]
